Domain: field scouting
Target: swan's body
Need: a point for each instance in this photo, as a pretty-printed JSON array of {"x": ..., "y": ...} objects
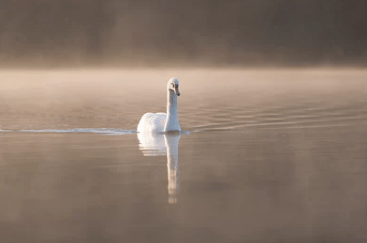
[{"x": 163, "y": 122}]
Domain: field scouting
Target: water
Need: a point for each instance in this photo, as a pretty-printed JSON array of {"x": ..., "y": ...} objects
[{"x": 266, "y": 156}]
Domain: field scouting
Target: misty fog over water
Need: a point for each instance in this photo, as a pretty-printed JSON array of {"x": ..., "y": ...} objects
[
  {"x": 273, "y": 111},
  {"x": 265, "y": 156},
  {"x": 129, "y": 33}
]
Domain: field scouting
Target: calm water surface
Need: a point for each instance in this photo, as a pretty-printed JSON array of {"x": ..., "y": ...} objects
[{"x": 266, "y": 156}]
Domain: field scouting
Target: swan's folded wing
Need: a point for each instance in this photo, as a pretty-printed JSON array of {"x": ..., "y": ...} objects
[{"x": 152, "y": 122}]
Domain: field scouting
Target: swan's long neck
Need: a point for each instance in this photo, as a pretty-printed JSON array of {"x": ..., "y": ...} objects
[{"x": 172, "y": 119}]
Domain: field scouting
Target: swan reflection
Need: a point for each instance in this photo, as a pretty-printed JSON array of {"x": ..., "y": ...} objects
[{"x": 161, "y": 145}]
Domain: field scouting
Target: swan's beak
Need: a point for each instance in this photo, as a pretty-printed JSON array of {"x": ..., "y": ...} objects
[{"x": 177, "y": 92}]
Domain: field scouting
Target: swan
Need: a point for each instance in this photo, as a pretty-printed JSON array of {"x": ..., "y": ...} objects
[{"x": 163, "y": 122}]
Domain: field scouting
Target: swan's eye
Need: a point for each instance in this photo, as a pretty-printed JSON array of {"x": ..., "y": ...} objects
[{"x": 176, "y": 86}]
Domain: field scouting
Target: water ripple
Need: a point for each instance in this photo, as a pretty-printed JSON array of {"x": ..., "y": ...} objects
[
  {"x": 108, "y": 131},
  {"x": 287, "y": 116}
]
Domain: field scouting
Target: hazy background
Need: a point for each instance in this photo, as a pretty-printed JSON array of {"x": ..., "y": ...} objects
[{"x": 69, "y": 33}]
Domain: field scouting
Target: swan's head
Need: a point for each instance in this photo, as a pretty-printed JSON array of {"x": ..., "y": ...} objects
[{"x": 173, "y": 85}]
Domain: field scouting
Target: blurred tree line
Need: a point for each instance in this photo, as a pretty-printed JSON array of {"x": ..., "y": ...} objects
[{"x": 200, "y": 32}]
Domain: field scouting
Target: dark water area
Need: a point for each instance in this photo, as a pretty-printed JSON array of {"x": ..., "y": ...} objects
[{"x": 266, "y": 156}]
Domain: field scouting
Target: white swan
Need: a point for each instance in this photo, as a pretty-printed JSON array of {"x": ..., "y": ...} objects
[{"x": 163, "y": 122}]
